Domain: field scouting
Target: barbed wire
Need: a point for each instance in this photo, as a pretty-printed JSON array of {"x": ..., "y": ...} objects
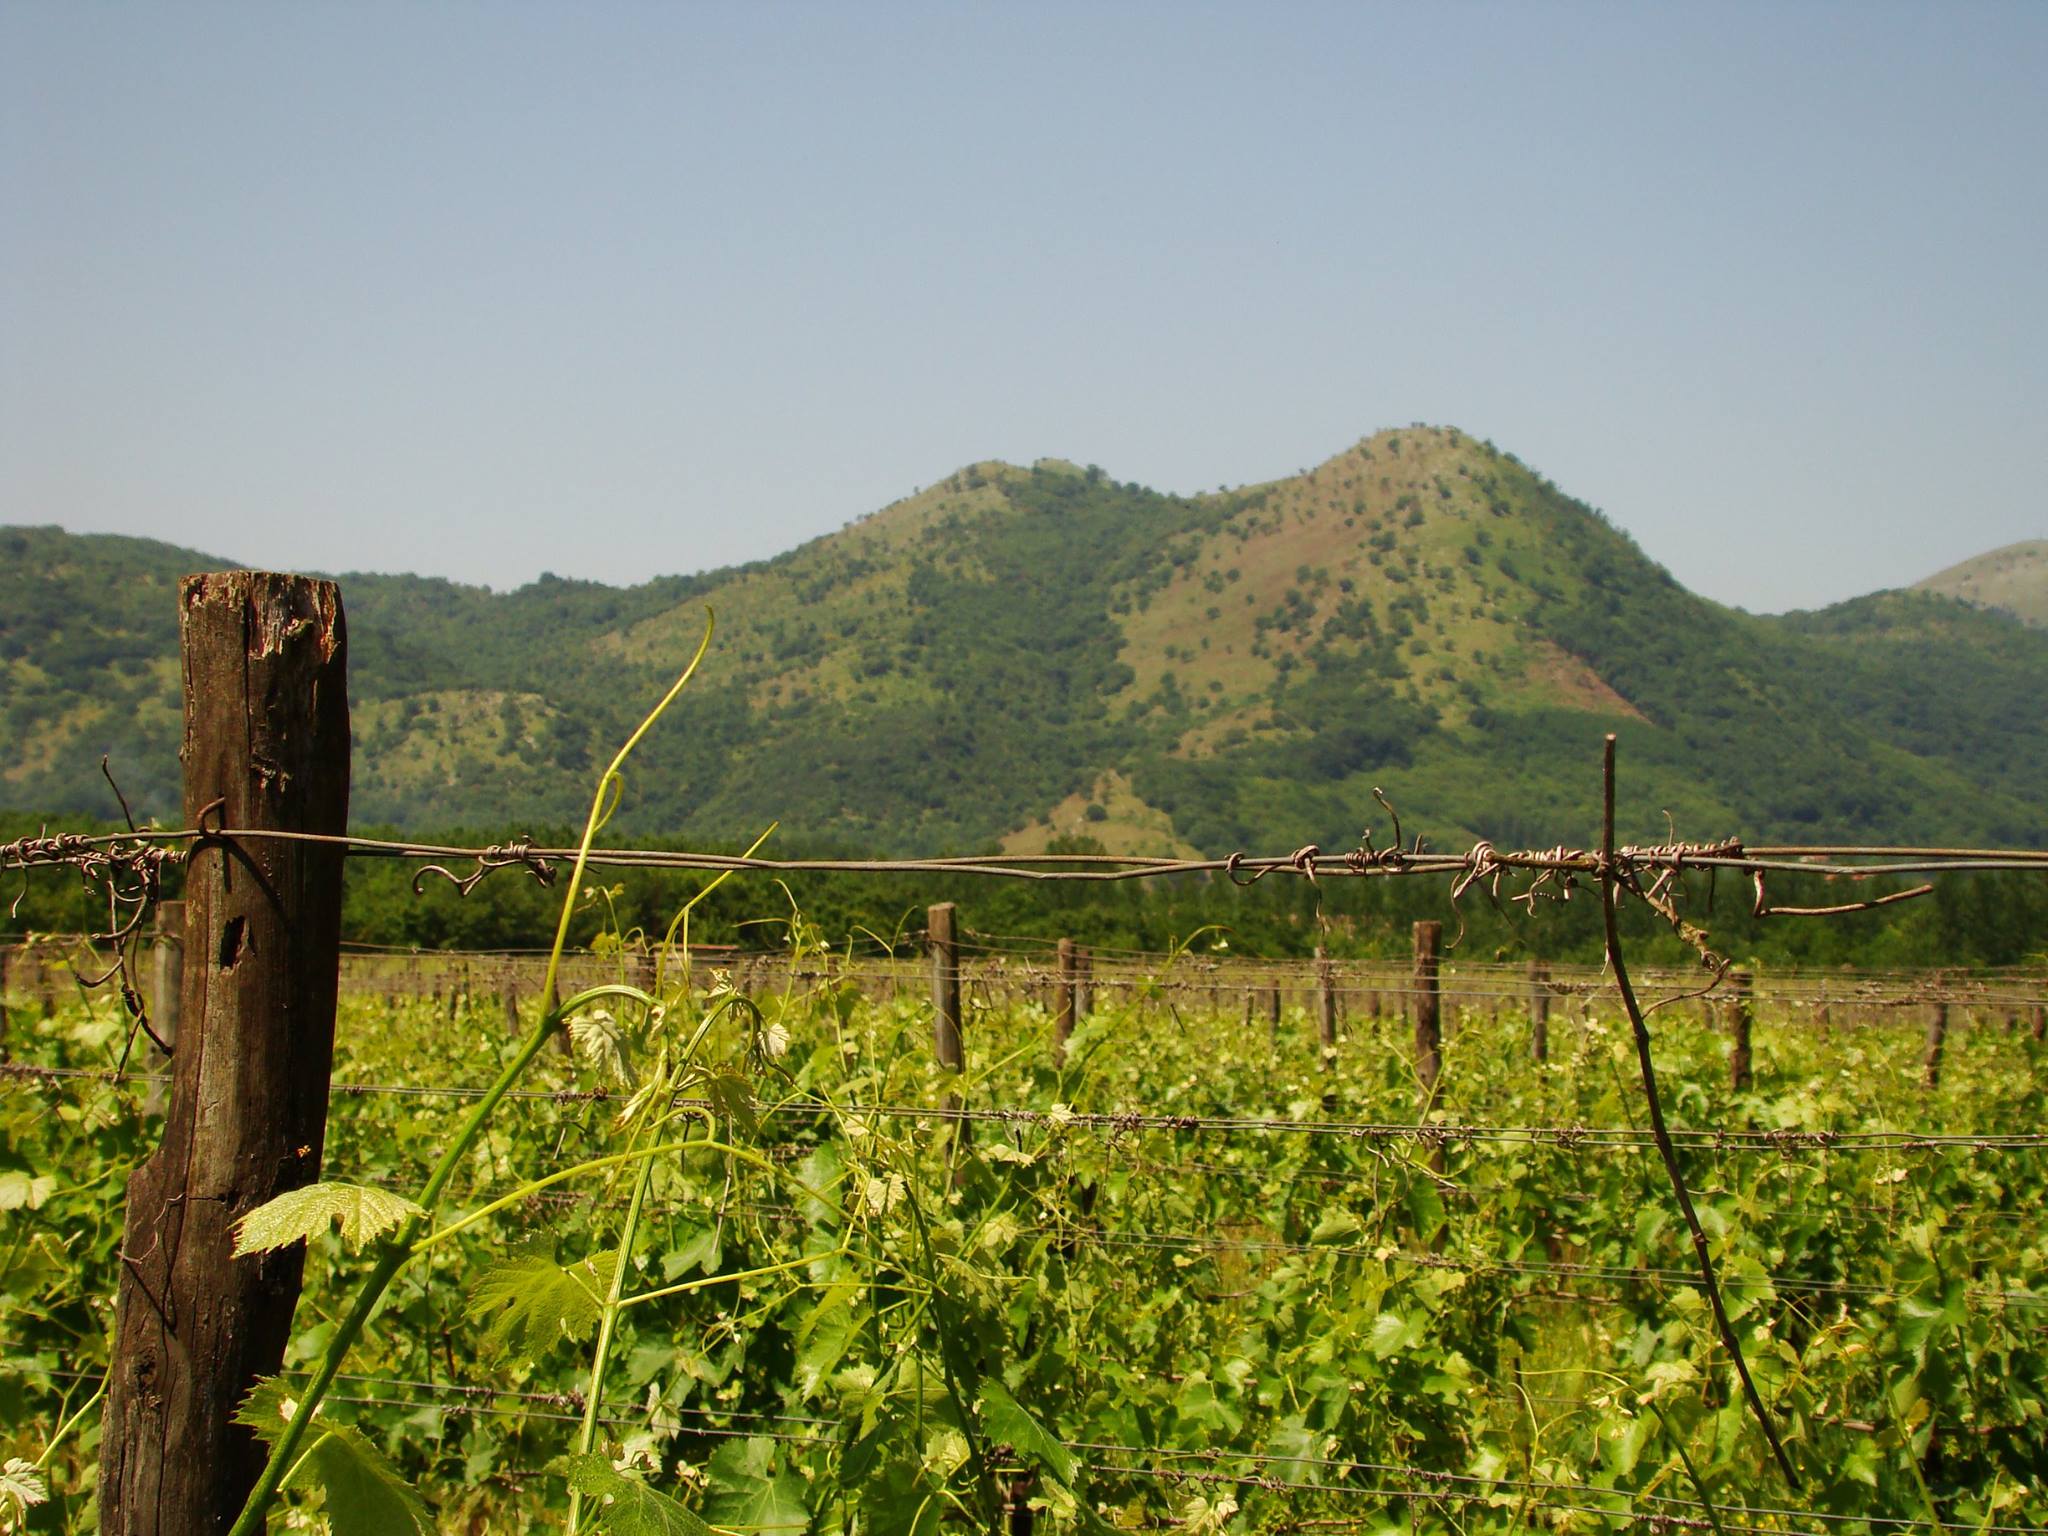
[{"x": 1482, "y": 862}]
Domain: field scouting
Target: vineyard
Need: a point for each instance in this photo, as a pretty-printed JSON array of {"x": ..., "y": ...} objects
[
  {"x": 1192, "y": 1277},
  {"x": 653, "y": 1239}
]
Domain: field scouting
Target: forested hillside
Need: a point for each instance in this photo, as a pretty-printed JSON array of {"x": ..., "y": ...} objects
[{"x": 1021, "y": 654}]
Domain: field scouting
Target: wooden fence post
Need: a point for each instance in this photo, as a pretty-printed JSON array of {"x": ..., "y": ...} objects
[
  {"x": 1741, "y": 1015},
  {"x": 167, "y": 993},
  {"x": 1273, "y": 1015},
  {"x": 945, "y": 952},
  {"x": 1084, "y": 982},
  {"x": 1937, "y": 1036},
  {"x": 2040, "y": 1020},
  {"x": 1063, "y": 1003},
  {"x": 1539, "y": 1010},
  {"x": 1429, "y": 1039},
  {"x": 266, "y": 748}
]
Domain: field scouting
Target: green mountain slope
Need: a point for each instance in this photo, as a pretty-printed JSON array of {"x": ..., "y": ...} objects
[{"x": 1019, "y": 654}]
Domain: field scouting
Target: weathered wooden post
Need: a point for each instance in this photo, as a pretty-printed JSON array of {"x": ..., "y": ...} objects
[
  {"x": 1084, "y": 982},
  {"x": 167, "y": 992},
  {"x": 1273, "y": 1015},
  {"x": 2040, "y": 1021},
  {"x": 1539, "y": 1010},
  {"x": 1326, "y": 1008},
  {"x": 1063, "y": 1003},
  {"x": 945, "y": 953},
  {"x": 1741, "y": 1015},
  {"x": 1937, "y": 1037},
  {"x": 1429, "y": 1039},
  {"x": 266, "y": 748}
]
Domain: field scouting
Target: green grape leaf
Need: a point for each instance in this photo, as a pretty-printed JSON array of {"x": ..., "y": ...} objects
[
  {"x": 697, "y": 1251},
  {"x": 21, "y": 1489},
  {"x": 1392, "y": 1333},
  {"x": 1007, "y": 1420},
  {"x": 731, "y": 1096},
  {"x": 748, "y": 1496},
  {"x": 1292, "y": 1447},
  {"x": 624, "y": 1505},
  {"x": 362, "y": 1493},
  {"x": 600, "y": 1042},
  {"x": 538, "y": 1301},
  {"x": 1337, "y": 1224},
  {"x": 305, "y": 1213},
  {"x": 19, "y": 1191}
]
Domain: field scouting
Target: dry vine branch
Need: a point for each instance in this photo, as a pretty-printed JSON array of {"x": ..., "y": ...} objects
[{"x": 1610, "y": 894}]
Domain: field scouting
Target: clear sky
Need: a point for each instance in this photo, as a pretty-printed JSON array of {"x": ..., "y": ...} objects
[{"x": 621, "y": 290}]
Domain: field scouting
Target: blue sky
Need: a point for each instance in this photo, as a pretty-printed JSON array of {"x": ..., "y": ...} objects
[{"x": 617, "y": 291}]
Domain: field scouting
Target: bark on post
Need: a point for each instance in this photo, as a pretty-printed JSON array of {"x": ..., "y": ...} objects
[
  {"x": 1273, "y": 1016},
  {"x": 1741, "y": 1015},
  {"x": 1429, "y": 1039},
  {"x": 2040, "y": 1020},
  {"x": 1063, "y": 1010},
  {"x": 1539, "y": 1010},
  {"x": 266, "y": 748},
  {"x": 1084, "y": 983},
  {"x": 945, "y": 953},
  {"x": 1937, "y": 1037},
  {"x": 167, "y": 993}
]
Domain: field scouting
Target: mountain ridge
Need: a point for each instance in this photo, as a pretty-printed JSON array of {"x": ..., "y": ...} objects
[{"x": 1017, "y": 654}]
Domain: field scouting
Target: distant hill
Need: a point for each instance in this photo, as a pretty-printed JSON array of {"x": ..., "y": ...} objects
[
  {"x": 1019, "y": 654},
  {"x": 2013, "y": 579}
]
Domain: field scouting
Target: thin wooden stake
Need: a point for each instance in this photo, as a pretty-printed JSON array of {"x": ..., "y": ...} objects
[
  {"x": 1741, "y": 1016},
  {"x": 1063, "y": 1006},
  {"x": 1326, "y": 1009},
  {"x": 1539, "y": 1010},
  {"x": 945, "y": 953},
  {"x": 1429, "y": 1040},
  {"x": 1937, "y": 1037},
  {"x": 167, "y": 993},
  {"x": 266, "y": 748}
]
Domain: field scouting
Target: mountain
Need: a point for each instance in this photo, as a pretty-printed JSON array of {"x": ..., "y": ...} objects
[
  {"x": 1019, "y": 654},
  {"x": 2013, "y": 579}
]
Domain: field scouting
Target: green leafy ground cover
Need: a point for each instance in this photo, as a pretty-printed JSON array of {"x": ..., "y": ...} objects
[{"x": 853, "y": 1318}]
